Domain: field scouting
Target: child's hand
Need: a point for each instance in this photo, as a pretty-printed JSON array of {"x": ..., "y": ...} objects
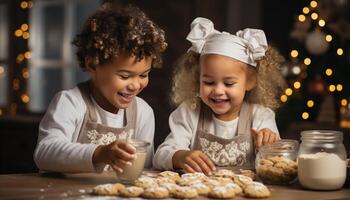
[
  {"x": 193, "y": 161},
  {"x": 117, "y": 154},
  {"x": 264, "y": 136}
]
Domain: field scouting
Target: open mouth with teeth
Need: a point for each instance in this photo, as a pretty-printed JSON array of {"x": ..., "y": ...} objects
[
  {"x": 125, "y": 97},
  {"x": 219, "y": 100}
]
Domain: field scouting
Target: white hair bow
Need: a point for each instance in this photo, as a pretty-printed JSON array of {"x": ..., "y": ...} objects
[{"x": 255, "y": 40}]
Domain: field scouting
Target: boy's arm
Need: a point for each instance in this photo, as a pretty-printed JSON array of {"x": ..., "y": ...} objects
[{"x": 55, "y": 150}]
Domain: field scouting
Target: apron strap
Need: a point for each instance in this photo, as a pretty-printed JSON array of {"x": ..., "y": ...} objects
[
  {"x": 245, "y": 119},
  {"x": 85, "y": 93}
]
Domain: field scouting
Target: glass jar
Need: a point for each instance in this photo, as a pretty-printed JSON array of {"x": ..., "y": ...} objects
[
  {"x": 322, "y": 160},
  {"x": 276, "y": 163},
  {"x": 132, "y": 172}
]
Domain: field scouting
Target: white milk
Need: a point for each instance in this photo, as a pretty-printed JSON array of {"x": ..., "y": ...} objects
[
  {"x": 321, "y": 171},
  {"x": 134, "y": 171}
]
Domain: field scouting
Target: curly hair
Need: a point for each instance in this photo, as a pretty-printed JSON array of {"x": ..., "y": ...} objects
[
  {"x": 269, "y": 81},
  {"x": 110, "y": 32}
]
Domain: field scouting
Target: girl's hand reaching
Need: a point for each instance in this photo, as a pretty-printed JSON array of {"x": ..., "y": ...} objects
[
  {"x": 193, "y": 161},
  {"x": 118, "y": 154},
  {"x": 264, "y": 136}
]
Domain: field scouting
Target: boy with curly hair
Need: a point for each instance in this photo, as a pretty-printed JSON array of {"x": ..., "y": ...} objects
[{"x": 84, "y": 127}]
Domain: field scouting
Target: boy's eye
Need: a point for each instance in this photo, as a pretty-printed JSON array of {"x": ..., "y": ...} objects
[
  {"x": 124, "y": 76},
  {"x": 229, "y": 84},
  {"x": 144, "y": 75}
]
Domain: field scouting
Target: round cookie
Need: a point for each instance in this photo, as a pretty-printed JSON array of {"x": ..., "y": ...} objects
[
  {"x": 161, "y": 180},
  {"x": 238, "y": 190},
  {"x": 156, "y": 193},
  {"x": 131, "y": 191},
  {"x": 186, "y": 181},
  {"x": 196, "y": 175},
  {"x": 146, "y": 182},
  {"x": 211, "y": 182},
  {"x": 248, "y": 173},
  {"x": 107, "y": 189},
  {"x": 169, "y": 174},
  {"x": 222, "y": 180},
  {"x": 201, "y": 188},
  {"x": 256, "y": 190},
  {"x": 222, "y": 192},
  {"x": 242, "y": 180},
  {"x": 185, "y": 193},
  {"x": 171, "y": 187},
  {"x": 223, "y": 173}
]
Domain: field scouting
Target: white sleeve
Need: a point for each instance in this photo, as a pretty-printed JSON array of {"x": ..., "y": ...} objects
[
  {"x": 183, "y": 124},
  {"x": 56, "y": 150},
  {"x": 145, "y": 128},
  {"x": 264, "y": 117}
]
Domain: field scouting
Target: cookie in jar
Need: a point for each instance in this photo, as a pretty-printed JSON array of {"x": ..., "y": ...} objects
[{"x": 276, "y": 163}]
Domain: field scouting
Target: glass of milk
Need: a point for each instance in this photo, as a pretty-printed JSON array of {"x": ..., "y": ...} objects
[
  {"x": 131, "y": 173},
  {"x": 322, "y": 160}
]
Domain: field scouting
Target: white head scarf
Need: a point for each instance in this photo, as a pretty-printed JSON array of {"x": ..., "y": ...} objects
[{"x": 247, "y": 46}]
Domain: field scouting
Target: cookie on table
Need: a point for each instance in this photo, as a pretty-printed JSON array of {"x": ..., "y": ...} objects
[
  {"x": 211, "y": 182},
  {"x": 256, "y": 190},
  {"x": 222, "y": 180},
  {"x": 185, "y": 193},
  {"x": 171, "y": 187},
  {"x": 169, "y": 174},
  {"x": 187, "y": 181},
  {"x": 146, "y": 182},
  {"x": 201, "y": 188},
  {"x": 155, "y": 193},
  {"x": 238, "y": 190},
  {"x": 162, "y": 180},
  {"x": 107, "y": 189},
  {"x": 196, "y": 175},
  {"x": 131, "y": 191},
  {"x": 223, "y": 173},
  {"x": 242, "y": 180},
  {"x": 249, "y": 173},
  {"x": 222, "y": 192}
]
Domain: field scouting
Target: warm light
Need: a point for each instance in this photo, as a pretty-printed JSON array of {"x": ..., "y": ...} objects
[
  {"x": 289, "y": 91},
  {"x": 301, "y": 18},
  {"x": 305, "y": 115},
  {"x": 342, "y": 110},
  {"x": 307, "y": 61},
  {"x": 24, "y": 4},
  {"x": 15, "y": 84},
  {"x": 2, "y": 70},
  {"x": 306, "y": 10},
  {"x": 329, "y": 38},
  {"x": 340, "y": 51},
  {"x": 24, "y": 27},
  {"x": 339, "y": 87},
  {"x": 296, "y": 70},
  {"x": 26, "y": 35},
  {"x": 329, "y": 72},
  {"x": 344, "y": 102},
  {"x": 310, "y": 103},
  {"x": 28, "y": 55},
  {"x": 20, "y": 58},
  {"x": 284, "y": 98},
  {"x": 294, "y": 53},
  {"x": 25, "y": 98},
  {"x": 314, "y": 16},
  {"x": 18, "y": 33},
  {"x": 25, "y": 73},
  {"x": 321, "y": 23},
  {"x": 313, "y": 4},
  {"x": 297, "y": 84},
  {"x": 332, "y": 88}
]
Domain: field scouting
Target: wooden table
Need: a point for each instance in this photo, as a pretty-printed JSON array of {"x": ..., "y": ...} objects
[{"x": 78, "y": 186}]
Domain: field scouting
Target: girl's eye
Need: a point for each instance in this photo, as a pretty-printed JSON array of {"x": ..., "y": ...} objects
[
  {"x": 229, "y": 84},
  {"x": 208, "y": 82}
]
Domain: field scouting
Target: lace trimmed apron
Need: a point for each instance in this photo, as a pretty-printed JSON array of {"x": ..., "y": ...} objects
[
  {"x": 93, "y": 132},
  {"x": 237, "y": 152}
]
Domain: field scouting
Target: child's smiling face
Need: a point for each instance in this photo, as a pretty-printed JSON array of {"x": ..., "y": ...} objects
[
  {"x": 223, "y": 84},
  {"x": 116, "y": 84}
]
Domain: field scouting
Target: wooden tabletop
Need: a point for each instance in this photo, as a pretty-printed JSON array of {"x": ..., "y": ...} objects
[{"x": 77, "y": 186}]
